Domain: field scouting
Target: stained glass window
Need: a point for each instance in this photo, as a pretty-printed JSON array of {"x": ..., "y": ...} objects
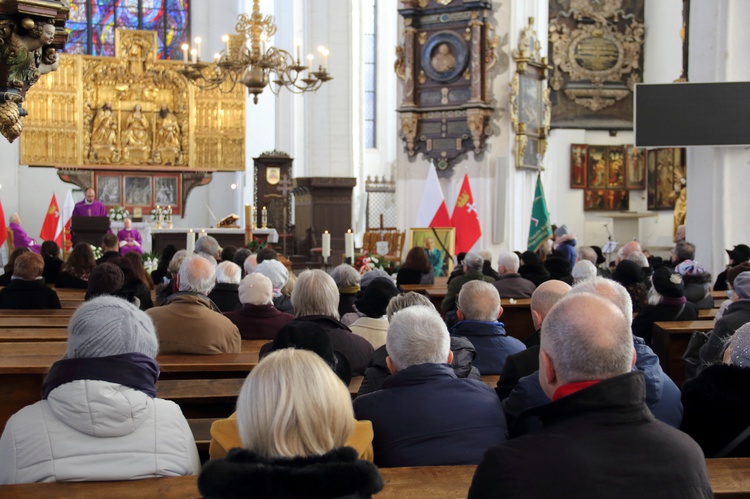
[{"x": 92, "y": 24}]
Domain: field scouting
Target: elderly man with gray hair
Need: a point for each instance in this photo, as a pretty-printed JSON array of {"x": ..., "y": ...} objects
[
  {"x": 510, "y": 284},
  {"x": 316, "y": 299},
  {"x": 472, "y": 272},
  {"x": 598, "y": 436},
  {"x": 224, "y": 294},
  {"x": 208, "y": 246},
  {"x": 188, "y": 321},
  {"x": 424, "y": 415},
  {"x": 478, "y": 313},
  {"x": 662, "y": 395}
]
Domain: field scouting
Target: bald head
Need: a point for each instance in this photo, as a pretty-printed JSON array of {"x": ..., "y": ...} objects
[
  {"x": 197, "y": 275},
  {"x": 584, "y": 338},
  {"x": 610, "y": 290},
  {"x": 545, "y": 296},
  {"x": 627, "y": 249}
]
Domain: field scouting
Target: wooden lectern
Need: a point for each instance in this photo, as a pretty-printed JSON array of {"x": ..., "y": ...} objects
[{"x": 89, "y": 229}]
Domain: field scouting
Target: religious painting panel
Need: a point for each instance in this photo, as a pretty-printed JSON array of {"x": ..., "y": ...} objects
[
  {"x": 531, "y": 158},
  {"x": 439, "y": 243},
  {"x": 666, "y": 169},
  {"x": 108, "y": 190},
  {"x": 635, "y": 161},
  {"x": 579, "y": 157},
  {"x": 138, "y": 191},
  {"x": 615, "y": 167},
  {"x": 167, "y": 191},
  {"x": 597, "y": 167}
]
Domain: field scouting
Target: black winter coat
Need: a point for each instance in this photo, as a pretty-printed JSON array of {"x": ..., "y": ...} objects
[{"x": 22, "y": 294}]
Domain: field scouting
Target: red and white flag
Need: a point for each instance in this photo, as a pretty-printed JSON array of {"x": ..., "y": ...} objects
[
  {"x": 51, "y": 220},
  {"x": 433, "y": 212},
  {"x": 465, "y": 219},
  {"x": 64, "y": 220}
]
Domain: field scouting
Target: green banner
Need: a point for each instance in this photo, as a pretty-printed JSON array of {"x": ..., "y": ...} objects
[{"x": 540, "y": 229}]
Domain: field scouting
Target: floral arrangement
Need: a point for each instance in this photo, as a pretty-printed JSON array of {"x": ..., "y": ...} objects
[
  {"x": 368, "y": 262},
  {"x": 118, "y": 213},
  {"x": 97, "y": 250},
  {"x": 156, "y": 212},
  {"x": 256, "y": 244},
  {"x": 150, "y": 261}
]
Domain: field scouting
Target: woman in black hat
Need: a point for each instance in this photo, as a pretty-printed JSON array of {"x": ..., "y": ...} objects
[{"x": 667, "y": 303}]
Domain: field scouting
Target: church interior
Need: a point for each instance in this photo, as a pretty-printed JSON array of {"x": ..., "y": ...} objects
[{"x": 350, "y": 132}]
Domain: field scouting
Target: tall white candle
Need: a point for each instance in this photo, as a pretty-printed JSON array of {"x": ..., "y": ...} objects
[
  {"x": 194, "y": 55},
  {"x": 185, "y": 48},
  {"x": 203, "y": 232},
  {"x": 326, "y": 245},
  {"x": 349, "y": 245},
  {"x": 225, "y": 39},
  {"x": 190, "y": 241},
  {"x": 198, "y": 42}
]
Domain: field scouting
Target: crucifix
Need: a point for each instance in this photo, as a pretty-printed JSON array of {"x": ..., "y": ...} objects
[{"x": 285, "y": 187}]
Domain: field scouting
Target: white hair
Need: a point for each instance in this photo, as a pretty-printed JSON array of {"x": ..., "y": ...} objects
[
  {"x": 508, "y": 260},
  {"x": 479, "y": 301},
  {"x": 417, "y": 335},
  {"x": 583, "y": 270},
  {"x": 639, "y": 258},
  {"x": 486, "y": 254},
  {"x": 587, "y": 338},
  {"x": 610, "y": 290},
  {"x": 15, "y": 219},
  {"x": 315, "y": 293},
  {"x": 473, "y": 261},
  {"x": 207, "y": 245},
  {"x": 197, "y": 275},
  {"x": 228, "y": 272},
  {"x": 250, "y": 263},
  {"x": 410, "y": 299},
  {"x": 345, "y": 276}
]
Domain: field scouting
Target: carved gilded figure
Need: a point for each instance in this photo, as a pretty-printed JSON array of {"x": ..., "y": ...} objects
[
  {"x": 136, "y": 141},
  {"x": 104, "y": 136},
  {"x": 167, "y": 143},
  {"x": 24, "y": 55}
]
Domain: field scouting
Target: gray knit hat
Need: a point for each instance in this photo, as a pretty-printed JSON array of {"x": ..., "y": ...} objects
[
  {"x": 369, "y": 276},
  {"x": 107, "y": 326},
  {"x": 740, "y": 345},
  {"x": 274, "y": 270}
]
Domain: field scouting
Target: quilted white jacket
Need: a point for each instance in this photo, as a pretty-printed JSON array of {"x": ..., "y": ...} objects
[{"x": 95, "y": 430}]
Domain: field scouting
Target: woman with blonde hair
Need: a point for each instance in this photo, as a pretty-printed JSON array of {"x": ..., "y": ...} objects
[{"x": 294, "y": 416}]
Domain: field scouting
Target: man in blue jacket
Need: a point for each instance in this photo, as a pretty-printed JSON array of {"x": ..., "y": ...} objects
[
  {"x": 478, "y": 312},
  {"x": 424, "y": 415}
]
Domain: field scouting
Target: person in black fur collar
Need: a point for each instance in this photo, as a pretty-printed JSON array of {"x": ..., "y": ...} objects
[{"x": 284, "y": 455}]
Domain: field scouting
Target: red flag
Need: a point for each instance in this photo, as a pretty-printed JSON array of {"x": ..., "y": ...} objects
[
  {"x": 49, "y": 227},
  {"x": 466, "y": 219},
  {"x": 3, "y": 228}
]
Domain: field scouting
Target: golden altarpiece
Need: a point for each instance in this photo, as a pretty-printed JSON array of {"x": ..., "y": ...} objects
[{"x": 132, "y": 126}]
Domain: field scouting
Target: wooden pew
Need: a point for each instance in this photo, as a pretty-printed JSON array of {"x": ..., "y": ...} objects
[
  {"x": 707, "y": 313},
  {"x": 728, "y": 477},
  {"x": 23, "y": 366},
  {"x": 41, "y": 313},
  {"x": 10, "y": 334},
  {"x": 670, "y": 341}
]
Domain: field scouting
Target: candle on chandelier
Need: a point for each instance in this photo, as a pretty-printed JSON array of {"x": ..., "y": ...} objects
[
  {"x": 217, "y": 56},
  {"x": 326, "y": 245},
  {"x": 185, "y": 48},
  {"x": 263, "y": 39},
  {"x": 310, "y": 58},
  {"x": 198, "y": 42},
  {"x": 325, "y": 58},
  {"x": 298, "y": 47},
  {"x": 194, "y": 55}
]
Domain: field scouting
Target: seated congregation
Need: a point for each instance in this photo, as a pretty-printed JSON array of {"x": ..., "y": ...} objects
[{"x": 580, "y": 407}]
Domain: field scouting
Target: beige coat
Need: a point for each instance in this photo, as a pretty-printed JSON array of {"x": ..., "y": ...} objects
[{"x": 188, "y": 324}]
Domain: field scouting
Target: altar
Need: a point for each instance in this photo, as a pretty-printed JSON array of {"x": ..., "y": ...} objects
[{"x": 160, "y": 238}]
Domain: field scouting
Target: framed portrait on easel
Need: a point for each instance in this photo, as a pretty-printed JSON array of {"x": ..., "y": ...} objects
[{"x": 440, "y": 245}]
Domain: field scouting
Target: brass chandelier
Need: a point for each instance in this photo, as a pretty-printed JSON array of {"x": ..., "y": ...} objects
[{"x": 247, "y": 60}]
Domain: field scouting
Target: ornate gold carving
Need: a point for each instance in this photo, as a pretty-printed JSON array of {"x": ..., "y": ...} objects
[
  {"x": 132, "y": 110},
  {"x": 444, "y": 2},
  {"x": 597, "y": 9},
  {"x": 528, "y": 44},
  {"x": 409, "y": 125},
  {"x": 477, "y": 120},
  {"x": 29, "y": 32},
  {"x": 422, "y": 37}
]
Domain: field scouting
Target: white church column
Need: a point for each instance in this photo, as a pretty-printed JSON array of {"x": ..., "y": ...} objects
[{"x": 718, "y": 182}]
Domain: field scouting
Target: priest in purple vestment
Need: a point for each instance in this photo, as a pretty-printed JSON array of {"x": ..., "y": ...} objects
[
  {"x": 20, "y": 238},
  {"x": 130, "y": 239},
  {"x": 89, "y": 207}
]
